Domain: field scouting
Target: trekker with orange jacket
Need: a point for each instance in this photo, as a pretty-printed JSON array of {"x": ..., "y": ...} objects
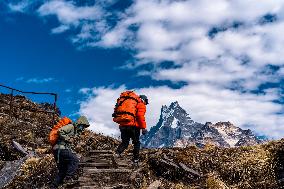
[
  {"x": 129, "y": 113},
  {"x": 61, "y": 138}
]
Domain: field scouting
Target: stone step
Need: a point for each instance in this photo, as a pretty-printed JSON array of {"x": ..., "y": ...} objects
[
  {"x": 101, "y": 155},
  {"x": 120, "y": 186},
  {"x": 97, "y": 164},
  {"x": 88, "y": 187},
  {"x": 104, "y": 157},
  {"x": 124, "y": 164},
  {"x": 101, "y": 152},
  {"x": 82, "y": 163},
  {"x": 101, "y": 170},
  {"x": 99, "y": 159},
  {"x": 84, "y": 179},
  {"x": 93, "y": 183},
  {"x": 92, "y": 170},
  {"x": 100, "y": 165},
  {"x": 103, "y": 180}
]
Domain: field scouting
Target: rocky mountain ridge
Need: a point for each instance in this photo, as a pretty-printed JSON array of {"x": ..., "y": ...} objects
[
  {"x": 176, "y": 129},
  {"x": 211, "y": 167}
]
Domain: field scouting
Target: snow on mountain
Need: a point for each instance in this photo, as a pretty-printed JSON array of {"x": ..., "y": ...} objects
[
  {"x": 175, "y": 128},
  {"x": 174, "y": 123}
]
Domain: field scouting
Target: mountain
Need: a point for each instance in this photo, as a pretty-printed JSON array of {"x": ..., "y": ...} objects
[
  {"x": 192, "y": 167},
  {"x": 176, "y": 129}
]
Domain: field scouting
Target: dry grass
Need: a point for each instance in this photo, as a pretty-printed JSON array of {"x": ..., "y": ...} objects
[
  {"x": 36, "y": 172},
  {"x": 242, "y": 167}
]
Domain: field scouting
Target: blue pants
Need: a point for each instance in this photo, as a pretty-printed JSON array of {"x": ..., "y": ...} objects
[{"x": 67, "y": 164}]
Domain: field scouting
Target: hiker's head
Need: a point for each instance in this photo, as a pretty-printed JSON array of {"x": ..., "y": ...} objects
[
  {"x": 144, "y": 99},
  {"x": 82, "y": 123}
]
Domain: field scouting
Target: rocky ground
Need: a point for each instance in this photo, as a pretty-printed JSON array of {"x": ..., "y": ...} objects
[{"x": 211, "y": 167}]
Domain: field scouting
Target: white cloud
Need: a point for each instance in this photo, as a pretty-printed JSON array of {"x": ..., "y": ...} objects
[
  {"x": 281, "y": 72},
  {"x": 113, "y": 38},
  {"x": 68, "y": 13},
  {"x": 60, "y": 29},
  {"x": 20, "y": 79},
  {"x": 203, "y": 103},
  {"x": 89, "y": 19},
  {"x": 217, "y": 69},
  {"x": 176, "y": 30},
  {"x": 85, "y": 91},
  {"x": 40, "y": 80},
  {"x": 99, "y": 108},
  {"x": 220, "y": 71},
  {"x": 21, "y": 6},
  {"x": 201, "y": 48},
  {"x": 36, "y": 80}
]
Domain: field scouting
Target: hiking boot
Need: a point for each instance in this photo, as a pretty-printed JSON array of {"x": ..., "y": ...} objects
[
  {"x": 53, "y": 186},
  {"x": 135, "y": 163},
  {"x": 281, "y": 180}
]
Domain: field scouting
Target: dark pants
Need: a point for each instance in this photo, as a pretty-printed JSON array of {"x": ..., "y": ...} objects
[
  {"x": 127, "y": 133},
  {"x": 67, "y": 165}
]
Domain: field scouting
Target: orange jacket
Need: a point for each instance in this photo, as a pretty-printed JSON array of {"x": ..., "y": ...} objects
[
  {"x": 140, "y": 116},
  {"x": 140, "y": 121}
]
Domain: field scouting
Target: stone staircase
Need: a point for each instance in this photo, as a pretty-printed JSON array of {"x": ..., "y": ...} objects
[{"x": 102, "y": 170}]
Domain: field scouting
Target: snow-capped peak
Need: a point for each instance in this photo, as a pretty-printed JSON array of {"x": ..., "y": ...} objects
[
  {"x": 174, "y": 104},
  {"x": 176, "y": 128}
]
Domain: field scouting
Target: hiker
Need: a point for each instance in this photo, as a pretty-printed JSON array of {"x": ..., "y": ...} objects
[
  {"x": 61, "y": 138},
  {"x": 129, "y": 113}
]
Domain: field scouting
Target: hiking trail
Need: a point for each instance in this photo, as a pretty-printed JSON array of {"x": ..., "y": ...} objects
[{"x": 102, "y": 170}]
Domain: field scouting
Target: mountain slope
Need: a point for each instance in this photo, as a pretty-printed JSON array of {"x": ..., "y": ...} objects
[
  {"x": 176, "y": 129},
  {"x": 257, "y": 166}
]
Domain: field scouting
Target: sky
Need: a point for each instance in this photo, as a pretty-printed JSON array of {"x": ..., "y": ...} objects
[{"x": 221, "y": 61}]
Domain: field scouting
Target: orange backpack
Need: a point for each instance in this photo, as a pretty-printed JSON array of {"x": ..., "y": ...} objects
[
  {"x": 53, "y": 135},
  {"x": 125, "y": 108}
]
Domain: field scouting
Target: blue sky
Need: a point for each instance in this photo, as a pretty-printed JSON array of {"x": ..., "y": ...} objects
[
  {"x": 221, "y": 61},
  {"x": 35, "y": 60}
]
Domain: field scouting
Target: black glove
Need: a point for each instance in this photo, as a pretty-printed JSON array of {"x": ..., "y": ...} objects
[
  {"x": 80, "y": 129},
  {"x": 144, "y": 131}
]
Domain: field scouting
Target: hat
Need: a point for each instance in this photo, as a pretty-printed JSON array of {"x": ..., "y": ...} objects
[
  {"x": 144, "y": 98},
  {"x": 82, "y": 120}
]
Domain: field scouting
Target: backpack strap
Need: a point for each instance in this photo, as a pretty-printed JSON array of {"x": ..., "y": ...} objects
[
  {"x": 125, "y": 98},
  {"x": 124, "y": 112},
  {"x": 120, "y": 103}
]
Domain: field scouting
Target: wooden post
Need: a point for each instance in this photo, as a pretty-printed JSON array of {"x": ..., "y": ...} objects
[{"x": 11, "y": 103}]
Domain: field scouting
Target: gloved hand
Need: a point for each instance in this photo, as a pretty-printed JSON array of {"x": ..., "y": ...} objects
[
  {"x": 144, "y": 131},
  {"x": 80, "y": 129}
]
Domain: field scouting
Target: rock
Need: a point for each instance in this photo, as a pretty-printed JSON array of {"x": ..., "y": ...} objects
[
  {"x": 189, "y": 171},
  {"x": 9, "y": 171},
  {"x": 174, "y": 171},
  {"x": 20, "y": 148},
  {"x": 155, "y": 185}
]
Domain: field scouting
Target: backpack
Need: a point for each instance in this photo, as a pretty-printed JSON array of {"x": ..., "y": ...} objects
[
  {"x": 125, "y": 108},
  {"x": 53, "y": 135}
]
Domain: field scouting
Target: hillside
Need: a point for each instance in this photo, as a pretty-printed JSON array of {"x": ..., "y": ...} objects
[
  {"x": 30, "y": 128},
  {"x": 212, "y": 167}
]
